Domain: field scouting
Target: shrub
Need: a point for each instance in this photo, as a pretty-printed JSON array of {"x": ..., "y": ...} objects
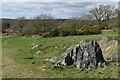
[
  {"x": 54, "y": 32},
  {"x": 93, "y": 29},
  {"x": 63, "y": 31},
  {"x": 46, "y": 34}
]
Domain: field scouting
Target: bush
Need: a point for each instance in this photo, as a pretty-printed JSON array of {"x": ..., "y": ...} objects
[
  {"x": 63, "y": 31},
  {"x": 93, "y": 29},
  {"x": 54, "y": 32},
  {"x": 30, "y": 31},
  {"x": 46, "y": 34}
]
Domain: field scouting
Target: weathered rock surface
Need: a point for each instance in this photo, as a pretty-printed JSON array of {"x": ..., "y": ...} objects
[
  {"x": 109, "y": 47},
  {"x": 84, "y": 55},
  {"x": 88, "y": 54}
]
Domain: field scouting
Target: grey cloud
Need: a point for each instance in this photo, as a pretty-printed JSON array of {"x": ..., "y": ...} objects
[{"x": 56, "y": 9}]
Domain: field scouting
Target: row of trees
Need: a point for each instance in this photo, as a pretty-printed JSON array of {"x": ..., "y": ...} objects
[{"x": 101, "y": 17}]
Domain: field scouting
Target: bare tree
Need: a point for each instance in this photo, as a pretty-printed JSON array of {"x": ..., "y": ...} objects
[
  {"x": 102, "y": 12},
  {"x": 44, "y": 16}
]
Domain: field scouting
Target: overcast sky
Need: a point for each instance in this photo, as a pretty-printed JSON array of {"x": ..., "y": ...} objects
[{"x": 61, "y": 9}]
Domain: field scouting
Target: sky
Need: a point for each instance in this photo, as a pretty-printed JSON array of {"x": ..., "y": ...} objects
[{"x": 57, "y": 8}]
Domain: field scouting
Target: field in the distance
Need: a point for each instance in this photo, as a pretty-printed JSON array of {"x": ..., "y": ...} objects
[{"x": 20, "y": 60}]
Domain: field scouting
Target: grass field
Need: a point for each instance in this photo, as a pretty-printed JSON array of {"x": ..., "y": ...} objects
[{"x": 20, "y": 60}]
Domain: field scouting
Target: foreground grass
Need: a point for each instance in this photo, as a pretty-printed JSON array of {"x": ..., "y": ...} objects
[{"x": 20, "y": 60}]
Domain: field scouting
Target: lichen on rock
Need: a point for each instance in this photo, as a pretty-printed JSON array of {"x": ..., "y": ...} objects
[{"x": 109, "y": 47}]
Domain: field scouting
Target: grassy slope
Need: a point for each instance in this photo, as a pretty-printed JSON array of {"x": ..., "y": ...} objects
[{"x": 19, "y": 60}]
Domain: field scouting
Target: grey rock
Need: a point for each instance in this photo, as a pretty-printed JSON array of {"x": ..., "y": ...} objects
[
  {"x": 103, "y": 43},
  {"x": 84, "y": 55},
  {"x": 115, "y": 64},
  {"x": 104, "y": 39},
  {"x": 37, "y": 44},
  {"x": 53, "y": 60},
  {"x": 114, "y": 53},
  {"x": 109, "y": 48},
  {"x": 112, "y": 42}
]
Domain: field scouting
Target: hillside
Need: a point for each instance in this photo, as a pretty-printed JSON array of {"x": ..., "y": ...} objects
[{"x": 22, "y": 61}]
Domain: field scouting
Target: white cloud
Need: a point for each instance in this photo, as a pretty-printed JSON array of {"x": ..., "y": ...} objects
[{"x": 56, "y": 9}]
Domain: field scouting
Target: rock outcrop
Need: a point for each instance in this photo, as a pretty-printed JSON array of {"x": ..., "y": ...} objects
[
  {"x": 84, "y": 55},
  {"x": 109, "y": 47}
]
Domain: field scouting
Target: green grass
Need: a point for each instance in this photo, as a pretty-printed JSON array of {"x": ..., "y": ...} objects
[{"x": 20, "y": 60}]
